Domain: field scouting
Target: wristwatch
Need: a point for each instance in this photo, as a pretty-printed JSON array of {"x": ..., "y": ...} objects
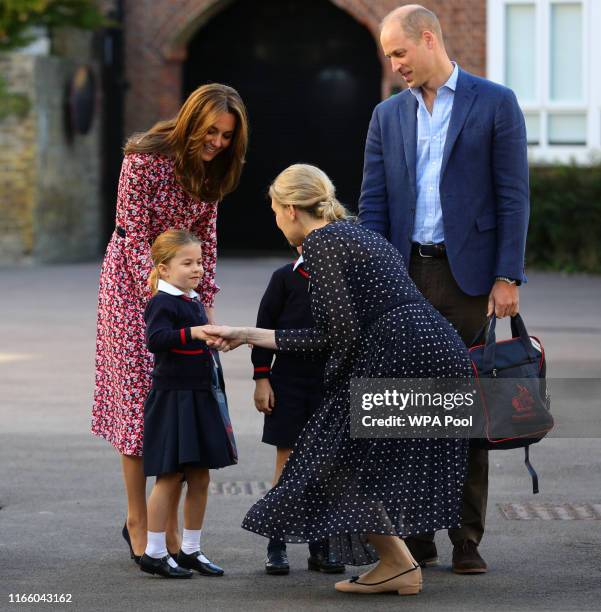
[{"x": 509, "y": 281}]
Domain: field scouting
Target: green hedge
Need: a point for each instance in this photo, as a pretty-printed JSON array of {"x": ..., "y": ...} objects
[
  {"x": 565, "y": 218},
  {"x": 17, "y": 16}
]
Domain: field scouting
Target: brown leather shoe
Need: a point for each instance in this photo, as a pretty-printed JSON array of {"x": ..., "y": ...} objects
[
  {"x": 423, "y": 552},
  {"x": 467, "y": 559}
]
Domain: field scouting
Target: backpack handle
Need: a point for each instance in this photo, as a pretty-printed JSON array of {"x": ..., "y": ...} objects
[
  {"x": 518, "y": 330},
  {"x": 482, "y": 334}
]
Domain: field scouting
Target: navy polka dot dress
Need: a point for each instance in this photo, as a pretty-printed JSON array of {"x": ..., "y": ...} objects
[{"x": 374, "y": 323}]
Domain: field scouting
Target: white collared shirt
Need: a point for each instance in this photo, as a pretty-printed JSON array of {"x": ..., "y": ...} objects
[
  {"x": 166, "y": 287},
  {"x": 298, "y": 262}
]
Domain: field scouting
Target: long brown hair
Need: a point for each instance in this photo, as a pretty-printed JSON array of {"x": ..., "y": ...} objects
[
  {"x": 164, "y": 249},
  {"x": 181, "y": 138}
]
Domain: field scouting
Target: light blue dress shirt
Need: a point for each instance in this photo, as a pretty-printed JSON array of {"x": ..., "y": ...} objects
[{"x": 431, "y": 136}]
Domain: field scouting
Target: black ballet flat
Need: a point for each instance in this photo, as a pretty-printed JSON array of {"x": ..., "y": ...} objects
[
  {"x": 193, "y": 562},
  {"x": 162, "y": 567},
  {"x": 125, "y": 534}
]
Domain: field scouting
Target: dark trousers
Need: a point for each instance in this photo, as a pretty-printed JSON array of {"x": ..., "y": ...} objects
[{"x": 467, "y": 314}]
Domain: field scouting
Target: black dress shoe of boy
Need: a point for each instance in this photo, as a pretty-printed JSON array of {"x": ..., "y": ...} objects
[
  {"x": 193, "y": 561},
  {"x": 423, "y": 551},
  {"x": 325, "y": 563},
  {"x": 162, "y": 568},
  {"x": 276, "y": 563},
  {"x": 322, "y": 560}
]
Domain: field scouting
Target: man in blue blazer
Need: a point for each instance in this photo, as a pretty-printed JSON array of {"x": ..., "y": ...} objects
[{"x": 445, "y": 179}]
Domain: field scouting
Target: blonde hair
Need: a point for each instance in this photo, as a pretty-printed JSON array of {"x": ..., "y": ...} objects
[
  {"x": 182, "y": 139},
  {"x": 164, "y": 249},
  {"x": 309, "y": 188}
]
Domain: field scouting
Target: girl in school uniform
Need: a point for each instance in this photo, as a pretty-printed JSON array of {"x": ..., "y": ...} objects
[
  {"x": 288, "y": 391},
  {"x": 184, "y": 430}
]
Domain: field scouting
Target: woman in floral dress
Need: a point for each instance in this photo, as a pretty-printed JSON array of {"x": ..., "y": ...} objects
[{"x": 173, "y": 176}]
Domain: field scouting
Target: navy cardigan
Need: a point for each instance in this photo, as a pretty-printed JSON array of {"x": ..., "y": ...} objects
[{"x": 180, "y": 363}]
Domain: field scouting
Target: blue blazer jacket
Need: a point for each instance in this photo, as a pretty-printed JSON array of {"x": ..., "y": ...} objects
[{"x": 483, "y": 183}]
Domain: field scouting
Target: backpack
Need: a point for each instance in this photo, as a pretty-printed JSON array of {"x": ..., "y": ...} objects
[{"x": 514, "y": 402}]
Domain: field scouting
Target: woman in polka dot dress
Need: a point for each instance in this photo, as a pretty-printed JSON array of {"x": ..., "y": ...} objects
[
  {"x": 374, "y": 323},
  {"x": 172, "y": 177}
]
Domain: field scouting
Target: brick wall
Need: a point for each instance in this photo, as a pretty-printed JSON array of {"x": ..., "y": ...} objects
[
  {"x": 49, "y": 185},
  {"x": 157, "y": 32},
  {"x": 17, "y": 163}
]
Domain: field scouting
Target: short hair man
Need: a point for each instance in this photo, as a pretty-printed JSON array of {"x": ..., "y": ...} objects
[{"x": 446, "y": 181}]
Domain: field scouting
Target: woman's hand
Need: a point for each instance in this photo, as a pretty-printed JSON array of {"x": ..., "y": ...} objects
[
  {"x": 264, "y": 396},
  {"x": 225, "y": 338}
]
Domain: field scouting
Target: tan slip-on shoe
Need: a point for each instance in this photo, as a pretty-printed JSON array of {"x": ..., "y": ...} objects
[{"x": 408, "y": 582}]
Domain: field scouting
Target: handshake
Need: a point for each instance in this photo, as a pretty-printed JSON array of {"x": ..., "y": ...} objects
[{"x": 222, "y": 337}]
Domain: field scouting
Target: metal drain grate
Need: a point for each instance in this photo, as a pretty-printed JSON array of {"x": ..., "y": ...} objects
[
  {"x": 551, "y": 512},
  {"x": 257, "y": 488}
]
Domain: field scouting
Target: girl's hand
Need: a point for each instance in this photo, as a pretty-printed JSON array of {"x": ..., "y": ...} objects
[
  {"x": 264, "y": 396},
  {"x": 198, "y": 333}
]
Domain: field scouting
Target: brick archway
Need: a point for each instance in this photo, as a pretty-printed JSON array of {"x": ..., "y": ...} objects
[
  {"x": 158, "y": 50},
  {"x": 310, "y": 76},
  {"x": 181, "y": 27},
  {"x": 157, "y": 34}
]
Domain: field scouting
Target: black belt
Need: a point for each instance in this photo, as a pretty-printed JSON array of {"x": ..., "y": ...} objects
[
  {"x": 120, "y": 231},
  {"x": 437, "y": 251}
]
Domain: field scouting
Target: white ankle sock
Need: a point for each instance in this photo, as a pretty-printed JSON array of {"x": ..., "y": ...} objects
[
  {"x": 191, "y": 541},
  {"x": 156, "y": 544}
]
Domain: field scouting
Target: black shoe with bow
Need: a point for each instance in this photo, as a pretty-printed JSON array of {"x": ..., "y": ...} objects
[
  {"x": 276, "y": 563},
  {"x": 323, "y": 560},
  {"x": 162, "y": 567},
  {"x": 197, "y": 561}
]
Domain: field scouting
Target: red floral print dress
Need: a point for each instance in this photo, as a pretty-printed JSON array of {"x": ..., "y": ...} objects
[{"x": 150, "y": 201}]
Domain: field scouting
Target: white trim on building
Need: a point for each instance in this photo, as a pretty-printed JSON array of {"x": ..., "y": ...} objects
[{"x": 549, "y": 52}]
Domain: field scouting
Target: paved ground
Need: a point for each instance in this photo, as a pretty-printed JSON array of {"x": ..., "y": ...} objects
[{"x": 63, "y": 505}]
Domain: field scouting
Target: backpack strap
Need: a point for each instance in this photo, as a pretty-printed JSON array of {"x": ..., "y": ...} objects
[{"x": 532, "y": 471}]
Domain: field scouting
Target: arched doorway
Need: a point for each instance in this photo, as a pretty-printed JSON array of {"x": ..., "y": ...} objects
[{"x": 310, "y": 76}]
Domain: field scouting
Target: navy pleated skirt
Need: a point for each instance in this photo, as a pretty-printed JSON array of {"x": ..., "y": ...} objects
[{"x": 183, "y": 428}]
